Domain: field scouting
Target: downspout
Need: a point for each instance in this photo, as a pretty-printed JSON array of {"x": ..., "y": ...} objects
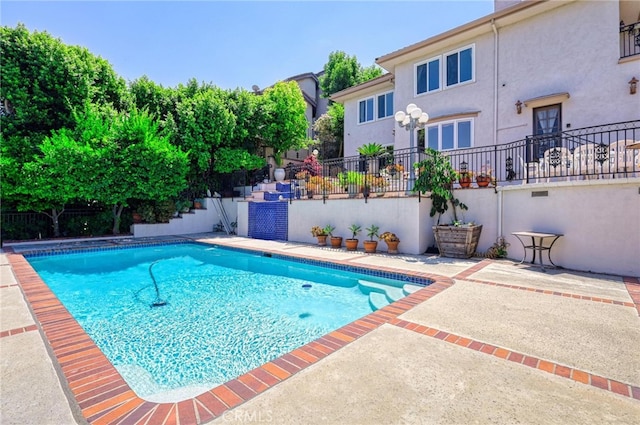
[{"x": 495, "y": 116}]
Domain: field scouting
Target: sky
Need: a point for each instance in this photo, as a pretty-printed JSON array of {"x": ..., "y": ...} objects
[{"x": 237, "y": 43}]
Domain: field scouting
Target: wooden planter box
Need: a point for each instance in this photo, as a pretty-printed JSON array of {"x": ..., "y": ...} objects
[{"x": 457, "y": 242}]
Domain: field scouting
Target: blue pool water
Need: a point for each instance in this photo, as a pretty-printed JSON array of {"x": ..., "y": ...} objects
[{"x": 227, "y": 312}]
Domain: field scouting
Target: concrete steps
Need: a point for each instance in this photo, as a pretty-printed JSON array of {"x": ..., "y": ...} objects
[{"x": 381, "y": 294}]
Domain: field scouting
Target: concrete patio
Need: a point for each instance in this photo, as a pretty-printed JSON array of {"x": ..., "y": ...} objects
[{"x": 505, "y": 343}]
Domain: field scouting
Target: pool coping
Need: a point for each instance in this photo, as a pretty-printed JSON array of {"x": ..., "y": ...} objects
[{"x": 104, "y": 397}]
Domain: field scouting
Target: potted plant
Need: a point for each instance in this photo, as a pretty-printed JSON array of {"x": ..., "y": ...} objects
[
  {"x": 484, "y": 177},
  {"x": 465, "y": 179},
  {"x": 392, "y": 242},
  {"x": 437, "y": 176},
  {"x": 370, "y": 245},
  {"x": 370, "y": 151},
  {"x": 336, "y": 241},
  {"x": 319, "y": 233},
  {"x": 352, "y": 242},
  {"x": 351, "y": 181}
]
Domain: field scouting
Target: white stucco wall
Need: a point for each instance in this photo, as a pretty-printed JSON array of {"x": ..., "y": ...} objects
[
  {"x": 406, "y": 217},
  {"x": 600, "y": 220},
  {"x": 197, "y": 221}
]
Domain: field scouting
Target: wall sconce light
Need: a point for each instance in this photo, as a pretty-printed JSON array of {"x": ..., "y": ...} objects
[
  {"x": 519, "y": 107},
  {"x": 633, "y": 85}
]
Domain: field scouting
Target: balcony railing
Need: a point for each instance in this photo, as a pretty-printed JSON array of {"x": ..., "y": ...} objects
[
  {"x": 629, "y": 39},
  {"x": 589, "y": 153}
]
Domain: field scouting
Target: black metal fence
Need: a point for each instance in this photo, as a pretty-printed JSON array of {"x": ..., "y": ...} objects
[
  {"x": 587, "y": 153},
  {"x": 629, "y": 39},
  {"x": 74, "y": 222}
]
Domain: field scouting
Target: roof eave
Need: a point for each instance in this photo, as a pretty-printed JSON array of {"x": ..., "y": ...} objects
[
  {"x": 342, "y": 94},
  {"x": 389, "y": 60}
]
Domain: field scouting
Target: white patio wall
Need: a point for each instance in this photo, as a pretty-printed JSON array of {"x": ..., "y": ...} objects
[
  {"x": 600, "y": 220},
  {"x": 197, "y": 221}
]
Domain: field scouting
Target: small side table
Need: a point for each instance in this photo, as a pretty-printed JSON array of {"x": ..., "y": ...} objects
[{"x": 539, "y": 246}]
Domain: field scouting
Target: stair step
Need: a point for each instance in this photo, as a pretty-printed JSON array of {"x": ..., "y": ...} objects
[
  {"x": 409, "y": 288},
  {"x": 377, "y": 300},
  {"x": 367, "y": 287},
  {"x": 394, "y": 294}
]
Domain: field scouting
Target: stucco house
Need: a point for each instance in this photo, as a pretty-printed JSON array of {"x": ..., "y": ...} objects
[{"x": 530, "y": 68}]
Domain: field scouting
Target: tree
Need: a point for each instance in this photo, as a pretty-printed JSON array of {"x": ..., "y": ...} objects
[
  {"x": 54, "y": 178},
  {"x": 285, "y": 122},
  {"x": 343, "y": 71},
  {"x": 43, "y": 83},
  {"x": 329, "y": 131},
  {"x": 204, "y": 124},
  {"x": 126, "y": 158}
]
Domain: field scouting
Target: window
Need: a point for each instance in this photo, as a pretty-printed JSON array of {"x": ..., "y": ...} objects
[
  {"x": 454, "y": 67},
  {"x": 375, "y": 108},
  {"x": 428, "y": 76},
  {"x": 447, "y": 135},
  {"x": 385, "y": 105},
  {"x": 366, "y": 110},
  {"x": 459, "y": 66}
]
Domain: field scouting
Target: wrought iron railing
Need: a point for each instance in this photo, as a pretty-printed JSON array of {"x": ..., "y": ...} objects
[
  {"x": 629, "y": 39},
  {"x": 580, "y": 154}
]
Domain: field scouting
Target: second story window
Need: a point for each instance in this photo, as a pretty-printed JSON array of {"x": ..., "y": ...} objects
[
  {"x": 377, "y": 107},
  {"x": 385, "y": 105},
  {"x": 365, "y": 110},
  {"x": 459, "y": 66},
  {"x": 428, "y": 76}
]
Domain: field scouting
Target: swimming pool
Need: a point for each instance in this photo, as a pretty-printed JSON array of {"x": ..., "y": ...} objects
[{"x": 226, "y": 313}]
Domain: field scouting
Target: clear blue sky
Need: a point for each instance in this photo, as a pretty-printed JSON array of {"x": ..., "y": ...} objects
[{"x": 240, "y": 43}]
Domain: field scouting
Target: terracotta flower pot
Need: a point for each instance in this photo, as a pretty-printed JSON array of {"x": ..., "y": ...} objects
[
  {"x": 483, "y": 181},
  {"x": 370, "y": 246},
  {"x": 465, "y": 182},
  {"x": 351, "y": 244},
  {"x": 336, "y": 241},
  {"x": 392, "y": 247},
  {"x": 322, "y": 240}
]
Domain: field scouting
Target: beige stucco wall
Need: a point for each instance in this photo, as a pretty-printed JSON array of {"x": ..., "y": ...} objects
[
  {"x": 574, "y": 49},
  {"x": 571, "y": 47},
  {"x": 379, "y": 131}
]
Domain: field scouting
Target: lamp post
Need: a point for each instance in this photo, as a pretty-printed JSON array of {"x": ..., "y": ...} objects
[{"x": 413, "y": 119}]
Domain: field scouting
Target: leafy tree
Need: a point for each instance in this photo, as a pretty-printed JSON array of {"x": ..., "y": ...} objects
[
  {"x": 343, "y": 71},
  {"x": 204, "y": 124},
  {"x": 43, "y": 82},
  {"x": 228, "y": 160},
  {"x": 285, "y": 122},
  {"x": 55, "y": 178},
  {"x": 329, "y": 130}
]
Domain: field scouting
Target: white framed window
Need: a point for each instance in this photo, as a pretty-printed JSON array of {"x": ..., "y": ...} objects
[
  {"x": 428, "y": 76},
  {"x": 447, "y": 135},
  {"x": 385, "y": 105},
  {"x": 365, "y": 110},
  {"x": 459, "y": 66},
  {"x": 375, "y": 108},
  {"x": 445, "y": 71}
]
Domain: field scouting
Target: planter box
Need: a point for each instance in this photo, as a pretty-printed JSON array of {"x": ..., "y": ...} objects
[{"x": 457, "y": 242}]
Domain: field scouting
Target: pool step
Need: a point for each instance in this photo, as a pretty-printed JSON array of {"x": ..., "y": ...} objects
[
  {"x": 410, "y": 288},
  {"x": 377, "y": 300},
  {"x": 391, "y": 293}
]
